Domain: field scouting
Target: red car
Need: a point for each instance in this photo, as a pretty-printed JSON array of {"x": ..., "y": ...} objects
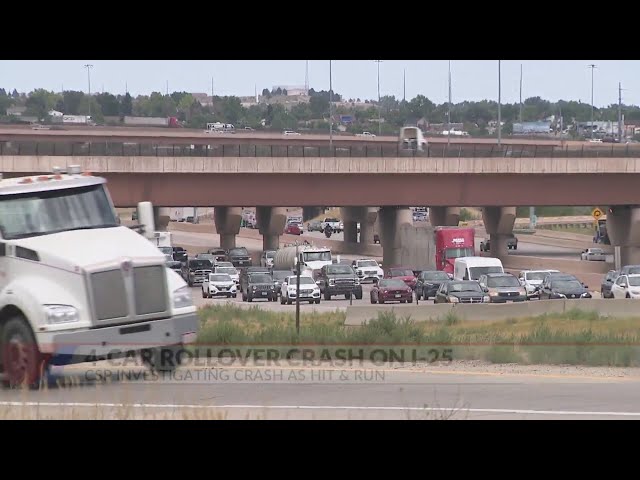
[
  {"x": 391, "y": 290},
  {"x": 402, "y": 273},
  {"x": 293, "y": 229}
]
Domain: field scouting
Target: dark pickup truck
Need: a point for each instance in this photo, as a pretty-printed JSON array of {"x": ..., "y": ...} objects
[
  {"x": 512, "y": 243},
  {"x": 239, "y": 257},
  {"x": 339, "y": 280},
  {"x": 196, "y": 271}
]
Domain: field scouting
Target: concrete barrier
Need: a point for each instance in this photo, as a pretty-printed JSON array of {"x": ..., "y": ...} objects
[
  {"x": 360, "y": 315},
  {"x": 518, "y": 262}
]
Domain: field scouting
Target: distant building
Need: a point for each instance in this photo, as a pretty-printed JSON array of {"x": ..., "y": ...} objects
[
  {"x": 532, "y": 128},
  {"x": 16, "y": 111},
  {"x": 292, "y": 90},
  {"x": 598, "y": 128},
  {"x": 203, "y": 99}
]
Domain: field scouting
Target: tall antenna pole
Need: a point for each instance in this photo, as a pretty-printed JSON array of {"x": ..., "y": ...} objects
[
  {"x": 592, "y": 67},
  {"x": 126, "y": 88},
  {"x": 499, "y": 103},
  {"x": 520, "y": 93},
  {"x": 620, "y": 112},
  {"x": 379, "y": 106},
  {"x": 89, "y": 67},
  {"x": 449, "y": 110},
  {"x": 212, "y": 90},
  {"x": 330, "y": 109},
  {"x": 306, "y": 78},
  {"x": 167, "y": 90},
  {"x": 404, "y": 85}
]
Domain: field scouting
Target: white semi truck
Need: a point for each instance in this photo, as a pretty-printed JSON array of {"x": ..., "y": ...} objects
[
  {"x": 311, "y": 259},
  {"x": 76, "y": 286}
]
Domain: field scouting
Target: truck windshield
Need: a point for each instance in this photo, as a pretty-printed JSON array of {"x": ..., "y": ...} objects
[
  {"x": 316, "y": 256},
  {"x": 458, "y": 252},
  {"x": 260, "y": 278},
  {"x": 54, "y": 211},
  {"x": 477, "y": 271},
  {"x": 199, "y": 264}
]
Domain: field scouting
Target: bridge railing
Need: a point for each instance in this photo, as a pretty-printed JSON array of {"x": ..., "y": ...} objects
[{"x": 437, "y": 150}]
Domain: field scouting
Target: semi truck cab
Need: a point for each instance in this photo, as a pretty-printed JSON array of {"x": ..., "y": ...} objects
[
  {"x": 452, "y": 243},
  {"x": 76, "y": 286}
]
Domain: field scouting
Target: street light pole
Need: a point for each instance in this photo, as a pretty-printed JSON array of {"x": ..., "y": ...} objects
[
  {"x": 449, "y": 110},
  {"x": 330, "y": 109},
  {"x": 297, "y": 291},
  {"x": 499, "y": 103},
  {"x": 89, "y": 67},
  {"x": 592, "y": 67},
  {"x": 379, "y": 106}
]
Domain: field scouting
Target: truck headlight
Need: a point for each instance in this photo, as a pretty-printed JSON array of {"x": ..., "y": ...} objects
[
  {"x": 357, "y": 281},
  {"x": 56, "y": 314},
  {"x": 454, "y": 299},
  {"x": 332, "y": 281},
  {"x": 493, "y": 294},
  {"x": 182, "y": 297},
  {"x": 486, "y": 299}
]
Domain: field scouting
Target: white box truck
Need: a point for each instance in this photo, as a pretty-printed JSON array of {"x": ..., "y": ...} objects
[
  {"x": 471, "y": 268},
  {"x": 76, "y": 286}
]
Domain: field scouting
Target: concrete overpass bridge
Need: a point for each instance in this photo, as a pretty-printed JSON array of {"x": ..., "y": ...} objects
[{"x": 369, "y": 189}]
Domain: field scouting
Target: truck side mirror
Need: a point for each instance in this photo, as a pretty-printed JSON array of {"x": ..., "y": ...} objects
[{"x": 146, "y": 219}]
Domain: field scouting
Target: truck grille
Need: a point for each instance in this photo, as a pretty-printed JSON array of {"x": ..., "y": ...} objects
[
  {"x": 345, "y": 281},
  {"x": 471, "y": 300},
  {"x": 508, "y": 294},
  {"x": 127, "y": 297}
]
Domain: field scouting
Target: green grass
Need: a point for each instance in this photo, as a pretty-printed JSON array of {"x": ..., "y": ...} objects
[
  {"x": 588, "y": 232},
  {"x": 576, "y": 337}
]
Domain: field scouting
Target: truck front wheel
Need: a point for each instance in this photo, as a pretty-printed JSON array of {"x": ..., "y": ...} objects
[
  {"x": 165, "y": 359},
  {"x": 22, "y": 362}
]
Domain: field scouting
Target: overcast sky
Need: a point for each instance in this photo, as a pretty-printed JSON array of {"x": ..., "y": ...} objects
[{"x": 471, "y": 79}]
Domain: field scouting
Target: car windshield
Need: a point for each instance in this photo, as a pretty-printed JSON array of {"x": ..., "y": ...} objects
[
  {"x": 316, "y": 256},
  {"x": 54, "y": 211},
  {"x": 205, "y": 256},
  {"x": 506, "y": 281},
  {"x": 476, "y": 272},
  {"x": 224, "y": 264},
  {"x": 536, "y": 276},
  {"x": 216, "y": 277},
  {"x": 303, "y": 281},
  {"x": 260, "y": 278},
  {"x": 401, "y": 272},
  {"x": 634, "y": 281},
  {"x": 200, "y": 264},
  {"x": 434, "y": 276},
  {"x": 368, "y": 263},
  {"x": 566, "y": 285},
  {"x": 217, "y": 252},
  {"x": 633, "y": 270},
  {"x": 270, "y": 255},
  {"x": 166, "y": 250},
  {"x": 464, "y": 287},
  {"x": 174, "y": 265},
  {"x": 227, "y": 270},
  {"x": 596, "y": 250},
  {"x": 458, "y": 252},
  {"x": 392, "y": 284},
  {"x": 238, "y": 251},
  {"x": 339, "y": 270},
  {"x": 331, "y": 220}
]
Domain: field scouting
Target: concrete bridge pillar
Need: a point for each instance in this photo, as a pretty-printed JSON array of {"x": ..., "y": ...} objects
[
  {"x": 366, "y": 217},
  {"x": 499, "y": 222},
  {"x": 161, "y": 217},
  {"x": 444, "y": 216},
  {"x": 271, "y": 223},
  {"x": 623, "y": 229},
  {"x": 227, "y": 221},
  {"x": 311, "y": 212},
  {"x": 392, "y": 219}
]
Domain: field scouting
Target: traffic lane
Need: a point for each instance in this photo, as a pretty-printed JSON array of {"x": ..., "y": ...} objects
[{"x": 351, "y": 392}]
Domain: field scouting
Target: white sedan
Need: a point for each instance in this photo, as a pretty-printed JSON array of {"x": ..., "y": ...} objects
[
  {"x": 626, "y": 286},
  {"x": 219, "y": 285}
]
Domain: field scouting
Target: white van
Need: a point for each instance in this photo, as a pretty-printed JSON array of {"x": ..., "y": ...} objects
[{"x": 471, "y": 268}]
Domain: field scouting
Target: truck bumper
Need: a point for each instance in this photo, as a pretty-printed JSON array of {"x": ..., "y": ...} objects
[
  {"x": 340, "y": 290},
  {"x": 85, "y": 345}
]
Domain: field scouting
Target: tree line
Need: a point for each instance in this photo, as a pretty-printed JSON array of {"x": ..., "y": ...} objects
[{"x": 314, "y": 114}]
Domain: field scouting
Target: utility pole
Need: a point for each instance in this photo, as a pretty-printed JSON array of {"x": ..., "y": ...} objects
[
  {"x": 306, "y": 78},
  {"x": 404, "y": 85},
  {"x": 592, "y": 67},
  {"x": 211, "y": 90},
  {"x": 449, "y": 110},
  {"x": 330, "y": 109},
  {"x": 89, "y": 67},
  {"x": 520, "y": 116},
  {"x": 379, "y": 106},
  {"x": 619, "y": 112},
  {"x": 297, "y": 291},
  {"x": 167, "y": 89},
  {"x": 499, "y": 104}
]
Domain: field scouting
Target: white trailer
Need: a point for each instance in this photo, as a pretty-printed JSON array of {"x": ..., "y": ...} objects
[
  {"x": 147, "y": 121},
  {"x": 311, "y": 259},
  {"x": 77, "y": 286},
  {"x": 76, "y": 119},
  {"x": 411, "y": 138}
]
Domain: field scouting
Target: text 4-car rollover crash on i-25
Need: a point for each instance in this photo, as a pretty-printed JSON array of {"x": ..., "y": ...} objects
[{"x": 76, "y": 286}]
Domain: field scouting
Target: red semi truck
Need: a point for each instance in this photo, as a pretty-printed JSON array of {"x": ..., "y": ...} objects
[{"x": 452, "y": 243}]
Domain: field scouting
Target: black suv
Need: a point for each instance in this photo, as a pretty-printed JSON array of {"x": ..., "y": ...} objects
[
  {"x": 256, "y": 285},
  {"x": 428, "y": 283},
  {"x": 239, "y": 257},
  {"x": 195, "y": 271},
  {"x": 339, "y": 280},
  {"x": 179, "y": 254}
]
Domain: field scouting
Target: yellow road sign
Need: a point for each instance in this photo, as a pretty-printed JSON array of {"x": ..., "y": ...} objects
[{"x": 597, "y": 213}]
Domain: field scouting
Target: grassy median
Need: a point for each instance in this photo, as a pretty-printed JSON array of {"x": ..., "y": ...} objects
[{"x": 575, "y": 337}]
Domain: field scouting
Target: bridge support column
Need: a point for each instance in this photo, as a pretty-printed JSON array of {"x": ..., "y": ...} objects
[
  {"x": 366, "y": 217},
  {"x": 623, "y": 229},
  {"x": 311, "y": 212},
  {"x": 161, "y": 217},
  {"x": 271, "y": 223},
  {"x": 227, "y": 221},
  {"x": 391, "y": 220},
  {"x": 444, "y": 216},
  {"x": 498, "y": 223}
]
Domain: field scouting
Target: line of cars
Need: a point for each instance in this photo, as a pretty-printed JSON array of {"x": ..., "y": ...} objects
[{"x": 623, "y": 283}]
